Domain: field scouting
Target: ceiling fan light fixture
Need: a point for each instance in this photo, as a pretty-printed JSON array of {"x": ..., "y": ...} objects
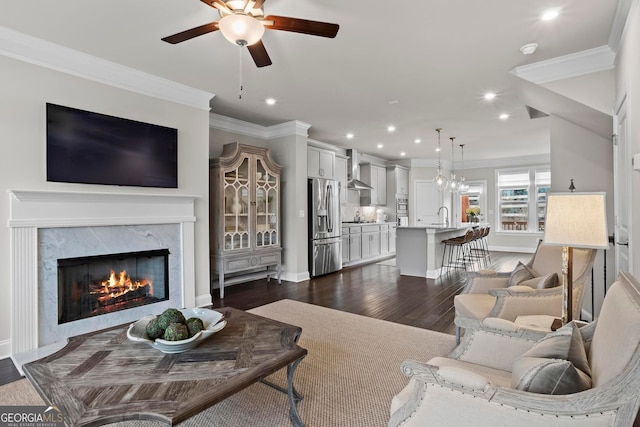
[{"x": 241, "y": 29}]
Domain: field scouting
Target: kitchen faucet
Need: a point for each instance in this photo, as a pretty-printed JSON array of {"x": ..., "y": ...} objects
[{"x": 446, "y": 218}]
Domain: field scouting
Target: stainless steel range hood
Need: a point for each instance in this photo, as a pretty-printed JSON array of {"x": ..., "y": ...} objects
[{"x": 353, "y": 172}]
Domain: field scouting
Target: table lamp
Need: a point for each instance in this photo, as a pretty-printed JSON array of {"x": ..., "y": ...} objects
[{"x": 574, "y": 220}]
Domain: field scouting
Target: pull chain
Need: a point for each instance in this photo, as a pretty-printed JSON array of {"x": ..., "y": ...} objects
[{"x": 240, "y": 73}]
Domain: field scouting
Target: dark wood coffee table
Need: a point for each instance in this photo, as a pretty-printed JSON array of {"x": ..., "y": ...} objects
[{"x": 103, "y": 377}]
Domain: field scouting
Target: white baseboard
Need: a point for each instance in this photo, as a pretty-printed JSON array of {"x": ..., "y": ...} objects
[
  {"x": 371, "y": 260},
  {"x": 203, "y": 300},
  {"x": 5, "y": 349},
  {"x": 290, "y": 276},
  {"x": 512, "y": 249}
]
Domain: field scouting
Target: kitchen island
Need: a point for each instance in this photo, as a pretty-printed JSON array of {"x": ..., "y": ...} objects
[{"x": 419, "y": 249}]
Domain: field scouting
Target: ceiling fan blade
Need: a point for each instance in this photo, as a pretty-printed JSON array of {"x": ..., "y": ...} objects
[
  {"x": 258, "y": 4},
  {"x": 259, "y": 54},
  {"x": 194, "y": 32},
  {"x": 313, "y": 28},
  {"x": 218, "y": 4}
]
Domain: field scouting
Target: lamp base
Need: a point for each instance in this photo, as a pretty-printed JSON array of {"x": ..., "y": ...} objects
[{"x": 567, "y": 284}]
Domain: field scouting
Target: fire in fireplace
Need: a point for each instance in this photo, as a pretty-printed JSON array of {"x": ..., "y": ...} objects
[{"x": 95, "y": 285}]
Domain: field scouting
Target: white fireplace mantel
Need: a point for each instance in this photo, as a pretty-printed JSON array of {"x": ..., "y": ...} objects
[{"x": 31, "y": 210}]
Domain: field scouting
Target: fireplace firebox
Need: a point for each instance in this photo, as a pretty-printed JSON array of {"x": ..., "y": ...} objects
[{"x": 101, "y": 284}]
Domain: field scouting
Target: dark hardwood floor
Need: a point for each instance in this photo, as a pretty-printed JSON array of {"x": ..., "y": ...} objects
[{"x": 372, "y": 290}]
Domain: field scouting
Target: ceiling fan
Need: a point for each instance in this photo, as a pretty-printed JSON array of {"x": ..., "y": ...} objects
[{"x": 243, "y": 22}]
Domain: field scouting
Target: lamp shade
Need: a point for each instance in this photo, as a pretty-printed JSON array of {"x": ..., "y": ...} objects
[
  {"x": 578, "y": 220},
  {"x": 241, "y": 29}
]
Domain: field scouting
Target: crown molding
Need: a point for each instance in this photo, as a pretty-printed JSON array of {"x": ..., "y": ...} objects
[
  {"x": 320, "y": 144},
  {"x": 620, "y": 19},
  {"x": 508, "y": 162},
  {"x": 229, "y": 124},
  {"x": 480, "y": 164},
  {"x": 46, "y": 54},
  {"x": 575, "y": 64},
  {"x": 294, "y": 127}
]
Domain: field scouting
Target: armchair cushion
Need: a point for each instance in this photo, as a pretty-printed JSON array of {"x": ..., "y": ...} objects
[
  {"x": 493, "y": 376},
  {"x": 474, "y": 306},
  {"x": 542, "y": 282},
  {"x": 557, "y": 364},
  {"x": 520, "y": 273}
]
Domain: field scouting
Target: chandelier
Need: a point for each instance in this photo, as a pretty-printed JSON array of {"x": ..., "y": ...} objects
[
  {"x": 453, "y": 181},
  {"x": 440, "y": 181},
  {"x": 463, "y": 187}
]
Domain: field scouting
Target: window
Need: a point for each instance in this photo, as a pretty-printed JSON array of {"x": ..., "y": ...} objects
[
  {"x": 475, "y": 197},
  {"x": 522, "y": 198}
]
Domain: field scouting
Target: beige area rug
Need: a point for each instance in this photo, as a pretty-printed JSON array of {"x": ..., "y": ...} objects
[{"x": 348, "y": 378}]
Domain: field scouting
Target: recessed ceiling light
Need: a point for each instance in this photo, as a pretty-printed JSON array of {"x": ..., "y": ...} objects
[
  {"x": 380, "y": 146},
  {"x": 550, "y": 14},
  {"x": 417, "y": 141},
  {"x": 270, "y": 101},
  {"x": 349, "y": 135},
  {"x": 403, "y": 153},
  {"x": 391, "y": 128},
  {"x": 489, "y": 96},
  {"x": 504, "y": 116},
  {"x": 393, "y": 102},
  {"x": 437, "y": 149}
]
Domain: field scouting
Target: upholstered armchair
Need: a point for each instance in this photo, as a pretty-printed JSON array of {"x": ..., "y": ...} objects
[
  {"x": 534, "y": 288},
  {"x": 503, "y": 375}
]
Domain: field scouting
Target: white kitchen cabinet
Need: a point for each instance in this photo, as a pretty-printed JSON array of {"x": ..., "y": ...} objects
[
  {"x": 392, "y": 238},
  {"x": 320, "y": 163},
  {"x": 375, "y": 176},
  {"x": 370, "y": 241},
  {"x": 367, "y": 241},
  {"x": 341, "y": 175},
  {"x": 355, "y": 247},
  {"x": 384, "y": 239},
  {"x": 345, "y": 245},
  {"x": 397, "y": 180}
]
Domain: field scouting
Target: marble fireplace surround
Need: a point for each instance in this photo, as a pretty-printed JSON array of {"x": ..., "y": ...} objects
[{"x": 33, "y": 211}]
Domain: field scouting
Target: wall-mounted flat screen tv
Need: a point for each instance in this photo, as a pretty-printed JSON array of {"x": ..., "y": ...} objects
[{"x": 92, "y": 148}]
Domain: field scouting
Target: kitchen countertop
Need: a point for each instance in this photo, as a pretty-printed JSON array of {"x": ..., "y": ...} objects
[
  {"x": 436, "y": 228},
  {"x": 348, "y": 223}
]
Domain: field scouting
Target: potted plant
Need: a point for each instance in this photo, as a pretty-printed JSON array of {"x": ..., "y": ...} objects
[{"x": 473, "y": 214}]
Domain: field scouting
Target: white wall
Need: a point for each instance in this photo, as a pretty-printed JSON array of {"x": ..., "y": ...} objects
[
  {"x": 292, "y": 152},
  {"x": 596, "y": 90},
  {"x": 628, "y": 80},
  {"x": 25, "y": 89},
  {"x": 588, "y": 159}
]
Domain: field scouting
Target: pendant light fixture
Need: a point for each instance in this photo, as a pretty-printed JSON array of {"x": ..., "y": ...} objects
[
  {"x": 453, "y": 181},
  {"x": 463, "y": 187},
  {"x": 440, "y": 181}
]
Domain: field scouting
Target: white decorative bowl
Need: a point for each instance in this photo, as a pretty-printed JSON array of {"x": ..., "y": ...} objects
[{"x": 212, "y": 320}]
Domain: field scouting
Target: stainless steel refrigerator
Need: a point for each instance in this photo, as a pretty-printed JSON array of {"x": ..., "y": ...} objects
[{"x": 324, "y": 226}]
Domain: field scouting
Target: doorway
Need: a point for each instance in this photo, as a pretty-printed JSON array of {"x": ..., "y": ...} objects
[
  {"x": 622, "y": 190},
  {"x": 428, "y": 201}
]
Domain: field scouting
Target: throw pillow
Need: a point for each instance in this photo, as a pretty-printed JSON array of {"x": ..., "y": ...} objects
[
  {"x": 542, "y": 282},
  {"x": 557, "y": 364},
  {"x": 520, "y": 273}
]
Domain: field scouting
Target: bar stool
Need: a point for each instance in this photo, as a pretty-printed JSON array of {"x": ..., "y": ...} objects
[
  {"x": 480, "y": 249},
  {"x": 461, "y": 247}
]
